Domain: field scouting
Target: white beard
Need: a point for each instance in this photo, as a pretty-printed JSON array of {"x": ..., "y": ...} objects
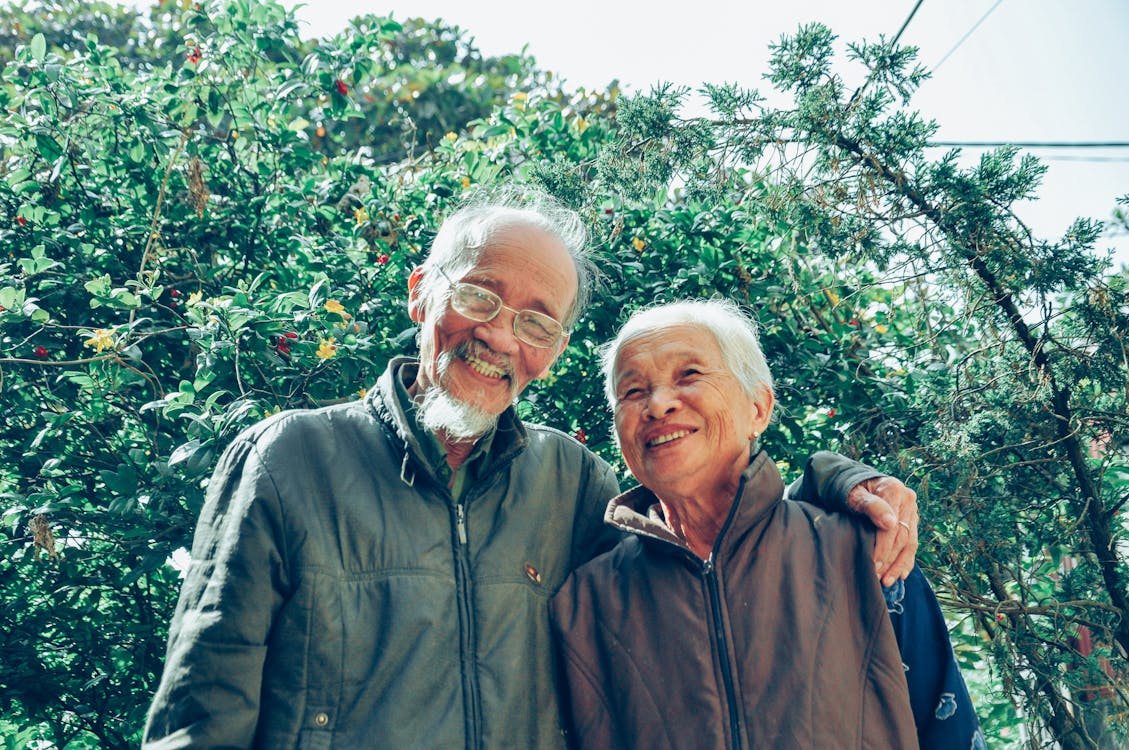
[{"x": 441, "y": 413}]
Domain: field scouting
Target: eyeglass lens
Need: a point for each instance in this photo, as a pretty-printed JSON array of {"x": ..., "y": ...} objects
[{"x": 483, "y": 305}]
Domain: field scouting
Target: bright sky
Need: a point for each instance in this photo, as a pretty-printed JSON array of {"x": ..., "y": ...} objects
[{"x": 1031, "y": 71}]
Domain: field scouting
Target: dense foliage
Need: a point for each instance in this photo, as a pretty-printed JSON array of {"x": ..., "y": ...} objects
[{"x": 206, "y": 219}]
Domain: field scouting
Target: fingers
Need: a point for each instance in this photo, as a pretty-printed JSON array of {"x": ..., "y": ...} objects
[
  {"x": 905, "y": 554},
  {"x": 892, "y": 507},
  {"x": 876, "y": 508}
]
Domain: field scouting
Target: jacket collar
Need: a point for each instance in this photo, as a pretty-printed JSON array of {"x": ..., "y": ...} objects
[
  {"x": 637, "y": 511},
  {"x": 509, "y": 436}
]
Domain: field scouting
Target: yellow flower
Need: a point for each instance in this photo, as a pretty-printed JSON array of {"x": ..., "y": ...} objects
[
  {"x": 466, "y": 182},
  {"x": 333, "y": 306},
  {"x": 581, "y": 124},
  {"x": 100, "y": 340},
  {"x": 327, "y": 348},
  {"x": 452, "y": 136},
  {"x": 520, "y": 96},
  {"x": 638, "y": 244},
  {"x": 361, "y": 215},
  {"x": 881, "y": 328},
  {"x": 362, "y": 393},
  {"x": 194, "y": 299},
  {"x": 833, "y": 297}
]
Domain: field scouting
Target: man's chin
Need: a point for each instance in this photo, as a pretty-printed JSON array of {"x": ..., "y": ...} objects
[{"x": 440, "y": 412}]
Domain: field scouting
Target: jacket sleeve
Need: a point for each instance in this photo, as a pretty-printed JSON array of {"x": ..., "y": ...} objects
[
  {"x": 587, "y": 719},
  {"x": 942, "y": 707},
  {"x": 827, "y": 479},
  {"x": 209, "y": 692},
  {"x": 591, "y": 535}
]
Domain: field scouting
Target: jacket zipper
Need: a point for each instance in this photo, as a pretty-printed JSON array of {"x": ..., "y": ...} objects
[
  {"x": 467, "y": 631},
  {"x": 709, "y": 576}
]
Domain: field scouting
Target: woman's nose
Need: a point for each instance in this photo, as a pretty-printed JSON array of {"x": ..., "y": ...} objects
[{"x": 663, "y": 400}]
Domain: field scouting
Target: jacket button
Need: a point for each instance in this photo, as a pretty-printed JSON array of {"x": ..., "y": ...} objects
[
  {"x": 321, "y": 719},
  {"x": 532, "y": 572}
]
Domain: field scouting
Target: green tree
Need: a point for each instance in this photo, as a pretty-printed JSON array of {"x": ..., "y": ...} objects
[
  {"x": 989, "y": 363},
  {"x": 206, "y": 219}
]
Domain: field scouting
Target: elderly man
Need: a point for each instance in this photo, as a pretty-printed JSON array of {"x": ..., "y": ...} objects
[
  {"x": 729, "y": 616},
  {"x": 376, "y": 574}
]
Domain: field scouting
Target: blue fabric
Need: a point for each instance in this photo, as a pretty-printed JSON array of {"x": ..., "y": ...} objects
[{"x": 942, "y": 708}]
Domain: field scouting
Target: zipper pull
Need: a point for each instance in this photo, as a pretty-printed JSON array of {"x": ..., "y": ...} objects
[
  {"x": 460, "y": 522},
  {"x": 707, "y": 566}
]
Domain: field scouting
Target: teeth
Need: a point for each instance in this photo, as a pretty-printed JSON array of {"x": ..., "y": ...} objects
[
  {"x": 485, "y": 368},
  {"x": 667, "y": 438}
]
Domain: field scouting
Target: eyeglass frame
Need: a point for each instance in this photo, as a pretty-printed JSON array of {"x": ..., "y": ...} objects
[{"x": 488, "y": 294}]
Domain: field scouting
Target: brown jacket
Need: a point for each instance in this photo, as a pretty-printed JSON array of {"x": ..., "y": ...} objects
[{"x": 781, "y": 640}]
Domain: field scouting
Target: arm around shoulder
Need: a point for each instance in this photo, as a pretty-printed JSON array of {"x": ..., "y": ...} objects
[{"x": 828, "y": 479}]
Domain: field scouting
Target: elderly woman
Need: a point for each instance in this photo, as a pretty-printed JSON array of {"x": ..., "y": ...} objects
[{"x": 731, "y": 617}]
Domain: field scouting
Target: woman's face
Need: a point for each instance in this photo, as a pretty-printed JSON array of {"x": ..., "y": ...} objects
[{"x": 683, "y": 420}]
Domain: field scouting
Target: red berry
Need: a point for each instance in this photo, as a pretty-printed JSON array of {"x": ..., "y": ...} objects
[
  {"x": 290, "y": 335},
  {"x": 194, "y": 55},
  {"x": 382, "y": 259},
  {"x": 341, "y": 87},
  {"x": 174, "y": 293},
  {"x": 283, "y": 346},
  {"x": 40, "y": 351},
  {"x": 830, "y": 412},
  {"x": 853, "y": 322},
  {"x": 581, "y": 437},
  {"x": 21, "y": 221},
  {"x": 395, "y": 217}
]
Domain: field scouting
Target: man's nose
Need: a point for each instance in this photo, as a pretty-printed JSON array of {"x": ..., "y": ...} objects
[{"x": 498, "y": 333}]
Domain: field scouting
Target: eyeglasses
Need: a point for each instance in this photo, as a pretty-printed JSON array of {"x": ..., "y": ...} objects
[{"x": 482, "y": 305}]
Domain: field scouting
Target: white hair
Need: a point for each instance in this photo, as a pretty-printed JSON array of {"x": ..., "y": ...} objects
[
  {"x": 734, "y": 331},
  {"x": 488, "y": 211}
]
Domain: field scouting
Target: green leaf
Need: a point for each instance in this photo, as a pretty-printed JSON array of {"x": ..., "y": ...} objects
[
  {"x": 38, "y": 47},
  {"x": 185, "y": 452}
]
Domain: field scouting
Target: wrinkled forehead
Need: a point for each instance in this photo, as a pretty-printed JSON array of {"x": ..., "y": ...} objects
[
  {"x": 531, "y": 261},
  {"x": 665, "y": 343}
]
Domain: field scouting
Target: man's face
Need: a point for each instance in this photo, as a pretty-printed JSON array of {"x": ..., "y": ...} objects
[{"x": 483, "y": 365}]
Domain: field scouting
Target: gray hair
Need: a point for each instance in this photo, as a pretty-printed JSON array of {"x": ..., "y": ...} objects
[
  {"x": 734, "y": 331},
  {"x": 487, "y": 211}
]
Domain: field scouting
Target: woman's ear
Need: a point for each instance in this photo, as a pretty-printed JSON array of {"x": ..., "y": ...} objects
[
  {"x": 762, "y": 412},
  {"x": 416, "y": 307}
]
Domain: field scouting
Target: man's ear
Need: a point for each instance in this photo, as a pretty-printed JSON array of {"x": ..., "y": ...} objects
[
  {"x": 415, "y": 300},
  {"x": 560, "y": 349}
]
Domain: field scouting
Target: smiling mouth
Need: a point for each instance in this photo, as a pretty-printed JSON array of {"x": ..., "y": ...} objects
[
  {"x": 482, "y": 367},
  {"x": 663, "y": 439}
]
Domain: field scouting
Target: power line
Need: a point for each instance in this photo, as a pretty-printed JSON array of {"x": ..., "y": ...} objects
[
  {"x": 909, "y": 18},
  {"x": 966, "y": 35},
  {"x": 1032, "y": 144},
  {"x": 893, "y": 43},
  {"x": 1117, "y": 159}
]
